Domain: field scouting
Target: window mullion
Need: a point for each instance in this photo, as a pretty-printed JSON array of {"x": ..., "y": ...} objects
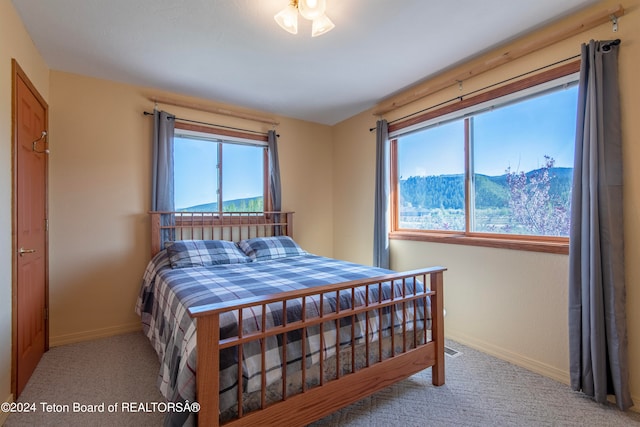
[{"x": 469, "y": 203}]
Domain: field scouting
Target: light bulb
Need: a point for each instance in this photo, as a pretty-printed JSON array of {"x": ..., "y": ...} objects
[
  {"x": 321, "y": 25},
  {"x": 287, "y": 18},
  {"x": 312, "y": 9}
]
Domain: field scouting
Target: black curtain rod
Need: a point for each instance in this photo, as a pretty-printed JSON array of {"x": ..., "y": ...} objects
[
  {"x": 146, "y": 113},
  {"x": 461, "y": 97},
  {"x": 607, "y": 46}
]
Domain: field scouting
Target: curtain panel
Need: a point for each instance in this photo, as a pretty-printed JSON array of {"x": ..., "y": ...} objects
[
  {"x": 597, "y": 300},
  {"x": 274, "y": 171},
  {"x": 162, "y": 193},
  {"x": 381, "y": 207},
  {"x": 274, "y": 178}
]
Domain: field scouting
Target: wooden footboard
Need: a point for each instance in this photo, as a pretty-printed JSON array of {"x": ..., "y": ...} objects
[{"x": 413, "y": 354}]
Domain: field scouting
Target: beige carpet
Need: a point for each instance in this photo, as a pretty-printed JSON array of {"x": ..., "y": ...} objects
[{"x": 479, "y": 391}]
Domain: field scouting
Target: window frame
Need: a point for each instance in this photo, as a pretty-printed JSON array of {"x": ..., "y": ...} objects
[
  {"x": 230, "y": 137},
  {"x": 549, "y": 244}
]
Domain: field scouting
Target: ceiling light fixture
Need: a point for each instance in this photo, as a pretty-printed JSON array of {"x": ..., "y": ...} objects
[{"x": 313, "y": 10}]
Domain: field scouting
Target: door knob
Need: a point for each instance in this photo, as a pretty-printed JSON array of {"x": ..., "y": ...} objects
[{"x": 23, "y": 251}]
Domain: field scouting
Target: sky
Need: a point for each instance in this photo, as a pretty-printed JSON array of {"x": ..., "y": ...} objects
[
  {"x": 545, "y": 125},
  {"x": 195, "y": 171}
]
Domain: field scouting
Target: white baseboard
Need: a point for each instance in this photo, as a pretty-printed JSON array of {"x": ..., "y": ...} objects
[
  {"x": 522, "y": 361},
  {"x": 58, "y": 340},
  {"x": 5, "y": 415},
  {"x": 511, "y": 357}
]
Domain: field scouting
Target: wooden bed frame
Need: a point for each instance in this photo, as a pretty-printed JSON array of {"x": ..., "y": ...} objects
[{"x": 316, "y": 402}]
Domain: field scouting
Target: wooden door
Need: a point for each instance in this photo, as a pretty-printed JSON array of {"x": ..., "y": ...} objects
[{"x": 30, "y": 229}]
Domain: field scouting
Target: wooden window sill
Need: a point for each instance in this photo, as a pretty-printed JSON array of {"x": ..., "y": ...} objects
[{"x": 535, "y": 244}]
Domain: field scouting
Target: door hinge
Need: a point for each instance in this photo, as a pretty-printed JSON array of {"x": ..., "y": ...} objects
[
  {"x": 46, "y": 313},
  {"x": 46, "y": 224}
]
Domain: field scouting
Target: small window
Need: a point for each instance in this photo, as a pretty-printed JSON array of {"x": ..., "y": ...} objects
[
  {"x": 214, "y": 173},
  {"x": 498, "y": 169}
]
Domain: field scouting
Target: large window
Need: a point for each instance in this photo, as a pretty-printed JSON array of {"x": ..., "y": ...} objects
[
  {"x": 493, "y": 169},
  {"x": 216, "y": 173}
]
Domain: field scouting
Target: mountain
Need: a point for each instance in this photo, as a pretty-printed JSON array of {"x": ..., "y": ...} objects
[
  {"x": 447, "y": 191},
  {"x": 249, "y": 204}
]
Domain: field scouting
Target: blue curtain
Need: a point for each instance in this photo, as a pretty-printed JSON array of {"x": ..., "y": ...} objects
[
  {"x": 597, "y": 301},
  {"x": 381, "y": 214},
  {"x": 274, "y": 171},
  {"x": 274, "y": 178},
  {"x": 162, "y": 168}
]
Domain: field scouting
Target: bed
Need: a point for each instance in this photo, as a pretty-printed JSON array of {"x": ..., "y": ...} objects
[{"x": 283, "y": 336}]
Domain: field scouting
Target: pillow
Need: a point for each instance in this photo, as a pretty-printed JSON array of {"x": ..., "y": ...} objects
[
  {"x": 263, "y": 248},
  {"x": 200, "y": 253}
]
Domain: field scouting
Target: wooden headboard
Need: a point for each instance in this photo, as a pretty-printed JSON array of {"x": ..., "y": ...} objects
[{"x": 233, "y": 226}]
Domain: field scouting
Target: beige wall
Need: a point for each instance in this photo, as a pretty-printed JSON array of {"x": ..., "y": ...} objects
[
  {"x": 354, "y": 159},
  {"x": 509, "y": 303},
  {"x": 14, "y": 43},
  {"x": 100, "y": 184}
]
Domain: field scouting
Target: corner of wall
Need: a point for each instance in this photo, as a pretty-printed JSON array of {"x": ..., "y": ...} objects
[
  {"x": 58, "y": 340},
  {"x": 510, "y": 356},
  {"x": 4, "y": 415}
]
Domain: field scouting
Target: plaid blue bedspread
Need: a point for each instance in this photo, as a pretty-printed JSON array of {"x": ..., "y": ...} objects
[{"x": 166, "y": 294}]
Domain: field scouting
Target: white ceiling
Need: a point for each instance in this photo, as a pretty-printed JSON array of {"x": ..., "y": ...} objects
[{"x": 233, "y": 51}]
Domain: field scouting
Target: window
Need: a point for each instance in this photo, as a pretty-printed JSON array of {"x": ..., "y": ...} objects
[
  {"x": 218, "y": 173},
  {"x": 491, "y": 169}
]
